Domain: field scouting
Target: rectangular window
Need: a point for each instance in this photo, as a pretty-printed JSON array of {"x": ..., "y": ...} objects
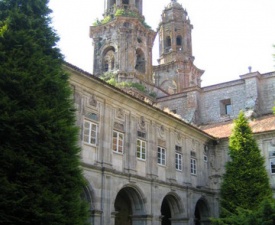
[
  {"x": 193, "y": 166},
  {"x": 141, "y": 134},
  {"x": 118, "y": 139},
  {"x": 226, "y": 107},
  {"x": 178, "y": 162},
  {"x": 272, "y": 165},
  {"x": 90, "y": 132},
  {"x": 161, "y": 156},
  {"x": 141, "y": 149},
  {"x": 178, "y": 148}
]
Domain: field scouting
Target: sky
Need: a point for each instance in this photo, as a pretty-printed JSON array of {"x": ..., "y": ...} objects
[{"x": 228, "y": 35}]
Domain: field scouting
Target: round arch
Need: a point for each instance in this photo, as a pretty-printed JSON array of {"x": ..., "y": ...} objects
[
  {"x": 129, "y": 206},
  {"x": 202, "y": 212},
  {"x": 171, "y": 207},
  {"x": 108, "y": 59},
  {"x": 140, "y": 61}
]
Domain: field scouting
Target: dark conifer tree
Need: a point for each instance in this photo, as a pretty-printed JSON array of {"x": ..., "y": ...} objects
[
  {"x": 40, "y": 176},
  {"x": 245, "y": 183}
]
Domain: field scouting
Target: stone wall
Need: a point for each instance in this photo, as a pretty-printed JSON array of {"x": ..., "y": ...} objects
[{"x": 148, "y": 182}]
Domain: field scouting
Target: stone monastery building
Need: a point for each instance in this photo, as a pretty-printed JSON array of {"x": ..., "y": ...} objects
[{"x": 154, "y": 142}]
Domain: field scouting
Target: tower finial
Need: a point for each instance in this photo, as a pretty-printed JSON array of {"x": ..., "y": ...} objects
[{"x": 173, "y": 0}]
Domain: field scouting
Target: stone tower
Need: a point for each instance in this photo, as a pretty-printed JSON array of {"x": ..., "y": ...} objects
[
  {"x": 176, "y": 71},
  {"x": 123, "y": 42}
]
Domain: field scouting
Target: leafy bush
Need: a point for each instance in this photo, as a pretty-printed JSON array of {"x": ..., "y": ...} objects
[{"x": 107, "y": 19}]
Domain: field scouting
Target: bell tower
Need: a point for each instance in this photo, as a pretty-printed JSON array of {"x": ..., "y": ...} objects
[
  {"x": 123, "y": 42},
  {"x": 176, "y": 70}
]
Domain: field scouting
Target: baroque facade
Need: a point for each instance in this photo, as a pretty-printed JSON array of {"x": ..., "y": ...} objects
[{"x": 158, "y": 158}]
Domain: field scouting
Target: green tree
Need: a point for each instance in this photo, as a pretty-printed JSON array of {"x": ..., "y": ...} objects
[
  {"x": 40, "y": 175},
  {"x": 245, "y": 183},
  {"x": 263, "y": 215}
]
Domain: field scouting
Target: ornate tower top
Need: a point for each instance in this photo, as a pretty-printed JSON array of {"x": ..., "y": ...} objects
[
  {"x": 176, "y": 71},
  {"x": 123, "y": 42},
  {"x": 112, "y": 5},
  {"x": 174, "y": 4}
]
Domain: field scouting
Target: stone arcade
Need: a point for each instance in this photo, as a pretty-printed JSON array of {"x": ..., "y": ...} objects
[{"x": 158, "y": 159}]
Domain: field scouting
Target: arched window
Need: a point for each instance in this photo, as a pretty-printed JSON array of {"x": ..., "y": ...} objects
[
  {"x": 109, "y": 59},
  {"x": 179, "y": 40},
  {"x": 140, "y": 61},
  {"x": 125, "y": 2},
  {"x": 167, "y": 44},
  {"x": 168, "y": 41}
]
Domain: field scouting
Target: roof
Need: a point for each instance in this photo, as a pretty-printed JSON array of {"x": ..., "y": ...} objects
[
  {"x": 258, "y": 125},
  {"x": 180, "y": 120},
  {"x": 173, "y": 4}
]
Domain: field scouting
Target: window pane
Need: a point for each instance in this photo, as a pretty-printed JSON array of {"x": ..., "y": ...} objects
[{"x": 89, "y": 132}]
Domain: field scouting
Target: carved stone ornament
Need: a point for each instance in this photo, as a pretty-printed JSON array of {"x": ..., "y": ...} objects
[
  {"x": 178, "y": 137},
  {"x": 120, "y": 113},
  {"x": 93, "y": 101},
  {"x": 142, "y": 123},
  {"x": 119, "y": 126},
  {"x": 161, "y": 131}
]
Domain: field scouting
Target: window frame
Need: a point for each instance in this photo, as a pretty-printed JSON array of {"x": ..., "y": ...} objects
[
  {"x": 193, "y": 166},
  {"x": 178, "y": 161},
  {"x": 141, "y": 149},
  {"x": 161, "y": 156},
  {"x": 118, "y": 142},
  {"x": 226, "y": 107},
  {"x": 90, "y": 131},
  {"x": 272, "y": 166}
]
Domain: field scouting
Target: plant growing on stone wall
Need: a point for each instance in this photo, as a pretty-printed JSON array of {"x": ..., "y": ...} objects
[
  {"x": 106, "y": 19},
  {"x": 97, "y": 22},
  {"x": 120, "y": 12}
]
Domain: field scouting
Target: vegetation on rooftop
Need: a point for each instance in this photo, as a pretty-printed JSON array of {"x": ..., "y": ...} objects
[
  {"x": 121, "y": 12},
  {"x": 110, "y": 78}
]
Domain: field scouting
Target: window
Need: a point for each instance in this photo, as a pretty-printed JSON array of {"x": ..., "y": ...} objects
[
  {"x": 141, "y": 134},
  {"x": 109, "y": 59},
  {"x": 205, "y": 153},
  {"x": 118, "y": 141},
  {"x": 226, "y": 107},
  {"x": 272, "y": 166},
  {"x": 140, "y": 61},
  {"x": 178, "y": 148},
  {"x": 178, "y": 162},
  {"x": 178, "y": 40},
  {"x": 161, "y": 156},
  {"x": 90, "y": 132},
  {"x": 168, "y": 41},
  {"x": 193, "y": 166},
  {"x": 141, "y": 149}
]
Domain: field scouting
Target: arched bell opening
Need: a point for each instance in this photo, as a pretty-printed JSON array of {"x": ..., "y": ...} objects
[
  {"x": 140, "y": 61},
  {"x": 179, "y": 43},
  {"x": 168, "y": 43},
  {"x": 108, "y": 60}
]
